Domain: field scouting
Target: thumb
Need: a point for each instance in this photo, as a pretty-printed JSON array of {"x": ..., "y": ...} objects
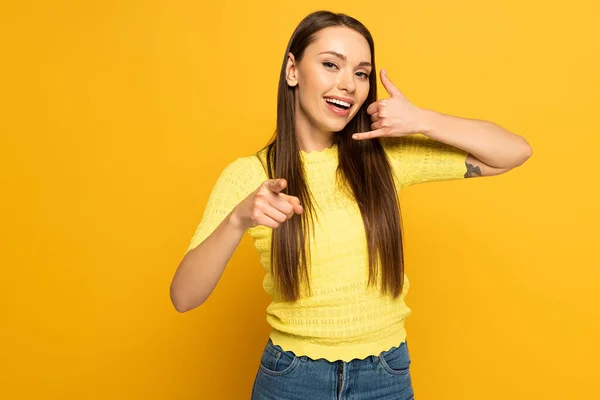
[
  {"x": 389, "y": 86},
  {"x": 276, "y": 185}
]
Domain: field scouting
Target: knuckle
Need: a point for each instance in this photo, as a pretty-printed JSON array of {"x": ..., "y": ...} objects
[{"x": 258, "y": 202}]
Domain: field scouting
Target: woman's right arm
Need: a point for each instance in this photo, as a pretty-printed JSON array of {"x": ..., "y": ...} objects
[{"x": 202, "y": 267}]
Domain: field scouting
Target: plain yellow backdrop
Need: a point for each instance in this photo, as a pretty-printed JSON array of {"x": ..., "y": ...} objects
[{"x": 118, "y": 116}]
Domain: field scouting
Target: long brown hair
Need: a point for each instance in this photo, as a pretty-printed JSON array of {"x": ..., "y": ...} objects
[{"x": 363, "y": 167}]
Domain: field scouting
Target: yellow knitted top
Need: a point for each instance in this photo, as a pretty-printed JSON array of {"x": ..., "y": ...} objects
[{"x": 342, "y": 319}]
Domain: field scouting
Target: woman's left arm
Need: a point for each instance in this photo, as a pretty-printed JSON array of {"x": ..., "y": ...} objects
[
  {"x": 485, "y": 141},
  {"x": 492, "y": 149}
]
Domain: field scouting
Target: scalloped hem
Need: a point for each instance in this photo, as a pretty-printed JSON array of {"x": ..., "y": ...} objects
[{"x": 346, "y": 352}]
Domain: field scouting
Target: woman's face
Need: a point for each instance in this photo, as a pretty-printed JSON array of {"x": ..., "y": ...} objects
[{"x": 334, "y": 68}]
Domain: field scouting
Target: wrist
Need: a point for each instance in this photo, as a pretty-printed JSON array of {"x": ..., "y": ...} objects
[
  {"x": 426, "y": 121},
  {"x": 234, "y": 221}
]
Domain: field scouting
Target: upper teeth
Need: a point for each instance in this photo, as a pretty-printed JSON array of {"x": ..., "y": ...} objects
[{"x": 336, "y": 101}]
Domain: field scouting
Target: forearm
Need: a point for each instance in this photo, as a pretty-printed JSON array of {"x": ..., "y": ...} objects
[
  {"x": 485, "y": 140},
  {"x": 202, "y": 267}
]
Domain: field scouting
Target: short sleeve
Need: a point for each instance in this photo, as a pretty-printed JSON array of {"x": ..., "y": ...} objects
[
  {"x": 417, "y": 158},
  {"x": 236, "y": 182}
]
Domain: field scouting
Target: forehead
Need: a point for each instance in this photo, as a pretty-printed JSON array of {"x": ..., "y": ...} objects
[{"x": 342, "y": 40}]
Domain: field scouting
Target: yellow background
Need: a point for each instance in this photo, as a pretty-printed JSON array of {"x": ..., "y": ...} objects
[{"x": 118, "y": 116}]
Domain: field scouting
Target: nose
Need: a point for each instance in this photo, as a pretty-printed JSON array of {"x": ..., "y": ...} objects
[{"x": 346, "y": 81}]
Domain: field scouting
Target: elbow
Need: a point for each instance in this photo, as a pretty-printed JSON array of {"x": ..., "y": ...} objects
[
  {"x": 177, "y": 302},
  {"x": 527, "y": 152},
  {"x": 520, "y": 156},
  {"x": 181, "y": 302},
  {"x": 180, "y": 307}
]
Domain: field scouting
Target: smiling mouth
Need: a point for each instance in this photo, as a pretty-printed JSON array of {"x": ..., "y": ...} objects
[{"x": 341, "y": 105}]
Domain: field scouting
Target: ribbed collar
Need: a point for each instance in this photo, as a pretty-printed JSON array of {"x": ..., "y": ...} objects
[{"x": 328, "y": 153}]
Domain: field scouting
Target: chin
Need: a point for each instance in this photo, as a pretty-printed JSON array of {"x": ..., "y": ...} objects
[{"x": 335, "y": 125}]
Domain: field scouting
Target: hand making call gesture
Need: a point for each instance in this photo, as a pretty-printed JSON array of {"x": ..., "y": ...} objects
[
  {"x": 267, "y": 206},
  {"x": 395, "y": 116}
]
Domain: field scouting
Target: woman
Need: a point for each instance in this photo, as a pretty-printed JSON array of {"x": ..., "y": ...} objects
[{"x": 320, "y": 201}]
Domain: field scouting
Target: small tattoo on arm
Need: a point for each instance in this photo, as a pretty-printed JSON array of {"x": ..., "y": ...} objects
[{"x": 472, "y": 171}]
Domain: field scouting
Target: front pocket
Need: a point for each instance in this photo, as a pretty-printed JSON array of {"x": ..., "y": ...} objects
[
  {"x": 277, "y": 362},
  {"x": 397, "y": 360}
]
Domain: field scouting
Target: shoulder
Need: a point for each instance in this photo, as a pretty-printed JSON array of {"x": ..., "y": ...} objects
[{"x": 246, "y": 170}]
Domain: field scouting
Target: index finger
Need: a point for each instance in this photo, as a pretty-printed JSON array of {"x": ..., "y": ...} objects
[{"x": 369, "y": 134}]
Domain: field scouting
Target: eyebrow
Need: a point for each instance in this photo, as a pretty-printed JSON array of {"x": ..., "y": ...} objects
[{"x": 343, "y": 57}]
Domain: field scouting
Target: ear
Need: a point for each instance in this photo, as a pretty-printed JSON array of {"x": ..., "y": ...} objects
[{"x": 291, "y": 71}]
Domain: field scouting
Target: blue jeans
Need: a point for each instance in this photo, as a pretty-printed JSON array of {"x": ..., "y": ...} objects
[{"x": 284, "y": 376}]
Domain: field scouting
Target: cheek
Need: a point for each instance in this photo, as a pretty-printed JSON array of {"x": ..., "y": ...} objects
[
  {"x": 312, "y": 88},
  {"x": 364, "y": 91},
  {"x": 362, "y": 96},
  {"x": 320, "y": 82}
]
